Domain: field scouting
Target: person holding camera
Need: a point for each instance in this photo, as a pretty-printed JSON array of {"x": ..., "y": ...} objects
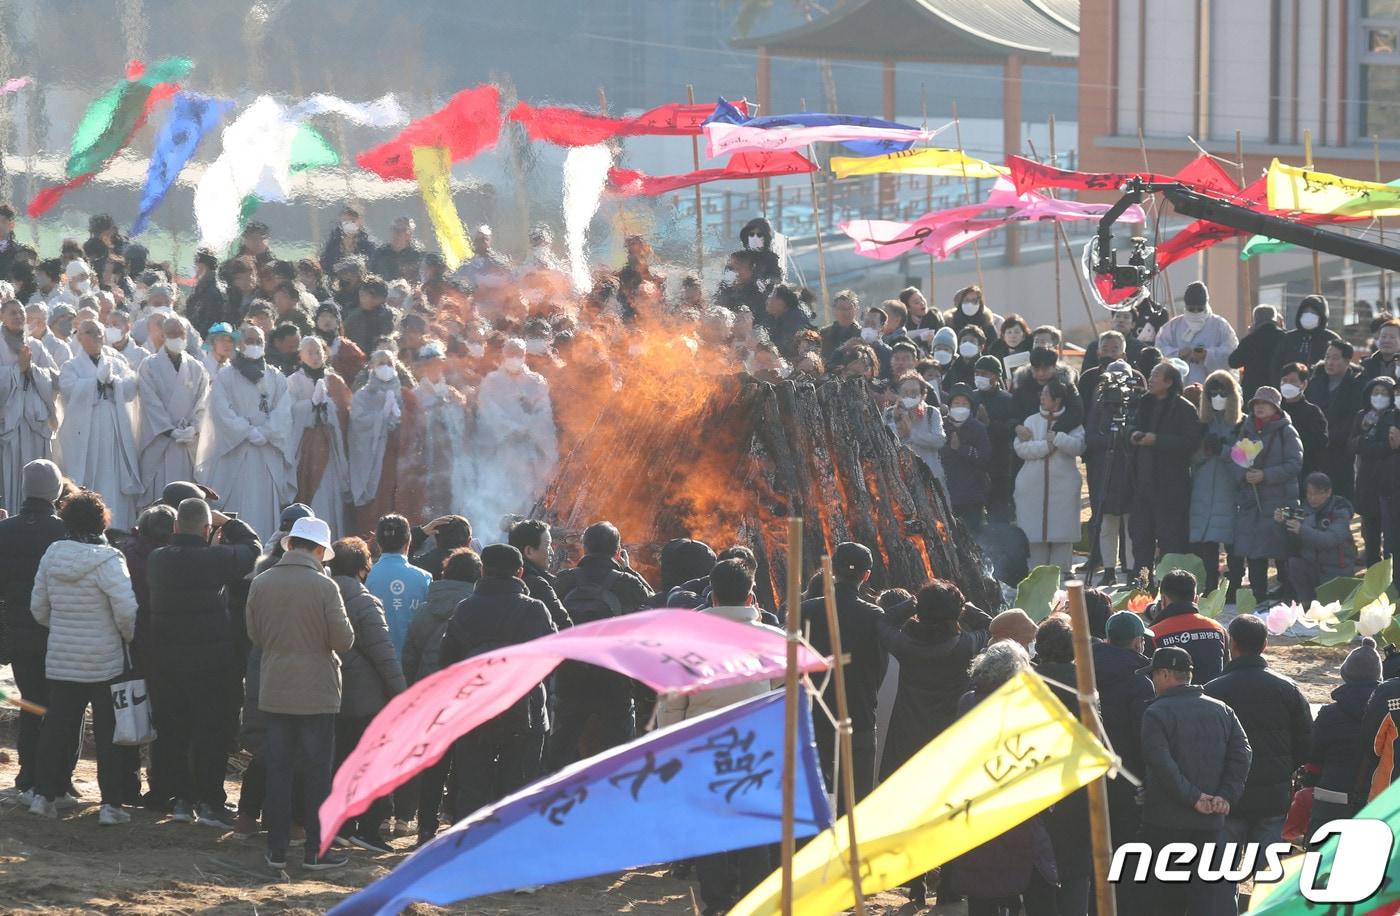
[
  {"x": 1212, "y": 518},
  {"x": 1162, "y": 441},
  {"x": 1320, "y": 533},
  {"x": 1107, "y": 459},
  {"x": 1266, "y": 483}
]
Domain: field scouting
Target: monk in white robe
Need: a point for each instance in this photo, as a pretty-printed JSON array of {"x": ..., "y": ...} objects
[
  {"x": 174, "y": 394},
  {"x": 218, "y": 348},
  {"x": 246, "y": 448},
  {"x": 376, "y": 414},
  {"x": 36, "y": 315},
  {"x": 320, "y": 410},
  {"x": 118, "y": 335},
  {"x": 440, "y": 437},
  {"x": 518, "y": 444},
  {"x": 28, "y": 402},
  {"x": 96, "y": 440}
]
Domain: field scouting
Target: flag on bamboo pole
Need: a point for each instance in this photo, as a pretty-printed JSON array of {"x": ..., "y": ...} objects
[
  {"x": 934, "y": 161},
  {"x": 191, "y": 117},
  {"x": 1262, "y": 244},
  {"x": 1012, "y": 756},
  {"x": 873, "y": 144},
  {"x": 469, "y": 123},
  {"x": 433, "y": 167},
  {"x": 110, "y": 122},
  {"x": 630, "y": 183},
  {"x": 1299, "y": 190},
  {"x": 701, "y": 786},
  {"x": 722, "y": 139},
  {"x": 572, "y": 127},
  {"x": 1201, "y": 174}
]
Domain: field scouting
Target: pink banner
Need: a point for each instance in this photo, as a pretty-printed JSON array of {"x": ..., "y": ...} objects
[
  {"x": 14, "y": 85},
  {"x": 671, "y": 651},
  {"x": 722, "y": 139}
]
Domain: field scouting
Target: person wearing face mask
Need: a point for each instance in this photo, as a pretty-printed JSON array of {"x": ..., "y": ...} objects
[
  {"x": 517, "y": 444},
  {"x": 997, "y": 409},
  {"x": 1308, "y": 419},
  {"x": 174, "y": 391},
  {"x": 320, "y": 405},
  {"x": 738, "y": 288},
  {"x": 871, "y": 324},
  {"x": 944, "y": 349},
  {"x": 376, "y": 441},
  {"x": 961, "y": 372},
  {"x": 117, "y": 334},
  {"x": 917, "y": 424},
  {"x": 1161, "y": 443},
  {"x": 1386, "y": 359},
  {"x": 28, "y": 402},
  {"x": 1255, "y": 354},
  {"x": 1049, "y": 443},
  {"x": 78, "y": 275},
  {"x": 1212, "y": 517},
  {"x": 1015, "y": 337},
  {"x": 1269, "y": 483},
  {"x": 96, "y": 439},
  {"x": 249, "y": 456},
  {"x": 1199, "y": 336},
  {"x": 207, "y": 304},
  {"x": 969, "y": 308},
  {"x": 965, "y": 456},
  {"x": 441, "y": 456},
  {"x": 348, "y": 238},
  {"x": 1307, "y": 342},
  {"x": 1337, "y": 391},
  {"x": 1370, "y": 442},
  {"x": 757, "y": 238}
]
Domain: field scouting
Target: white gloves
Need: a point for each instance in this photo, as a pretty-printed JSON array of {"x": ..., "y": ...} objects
[
  {"x": 104, "y": 371},
  {"x": 391, "y": 409},
  {"x": 256, "y": 436},
  {"x": 318, "y": 393}
]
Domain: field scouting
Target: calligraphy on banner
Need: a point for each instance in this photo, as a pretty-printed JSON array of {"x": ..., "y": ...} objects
[
  {"x": 1299, "y": 190},
  {"x": 934, "y": 161},
  {"x": 571, "y": 127},
  {"x": 1202, "y": 174},
  {"x": 628, "y": 183}
]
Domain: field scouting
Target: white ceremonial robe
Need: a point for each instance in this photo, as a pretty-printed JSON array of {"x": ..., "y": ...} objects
[
  {"x": 96, "y": 439},
  {"x": 60, "y": 351},
  {"x": 328, "y": 502},
  {"x": 28, "y": 416},
  {"x": 518, "y": 445},
  {"x": 443, "y": 428},
  {"x": 375, "y": 412},
  {"x": 253, "y": 480},
  {"x": 171, "y": 400},
  {"x": 133, "y": 353}
]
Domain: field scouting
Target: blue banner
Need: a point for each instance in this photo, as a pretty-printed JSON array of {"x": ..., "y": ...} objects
[
  {"x": 725, "y": 113},
  {"x": 191, "y": 117},
  {"x": 702, "y": 786}
]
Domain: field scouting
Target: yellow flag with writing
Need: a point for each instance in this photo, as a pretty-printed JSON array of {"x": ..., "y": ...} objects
[
  {"x": 1015, "y": 754},
  {"x": 940, "y": 163},
  {"x": 1307, "y": 191},
  {"x": 433, "y": 166}
]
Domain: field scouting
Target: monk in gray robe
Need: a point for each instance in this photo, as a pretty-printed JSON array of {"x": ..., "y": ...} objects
[
  {"x": 96, "y": 440},
  {"x": 174, "y": 394},
  {"x": 320, "y": 409},
  {"x": 376, "y": 415},
  {"x": 28, "y": 402}
]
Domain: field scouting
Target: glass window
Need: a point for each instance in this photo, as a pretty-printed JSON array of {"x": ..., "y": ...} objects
[
  {"x": 1382, "y": 8},
  {"x": 1381, "y": 41},
  {"x": 1380, "y": 107}
]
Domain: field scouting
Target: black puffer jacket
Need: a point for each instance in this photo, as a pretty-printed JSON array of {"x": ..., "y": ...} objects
[
  {"x": 1278, "y": 723},
  {"x": 1299, "y": 345},
  {"x": 23, "y": 539},
  {"x": 370, "y": 674},
  {"x": 1255, "y": 355},
  {"x": 1338, "y": 741},
  {"x": 768, "y": 270},
  {"x": 499, "y": 613},
  {"x": 189, "y": 583},
  {"x": 1192, "y": 744},
  {"x": 860, "y": 636},
  {"x": 1123, "y": 697}
]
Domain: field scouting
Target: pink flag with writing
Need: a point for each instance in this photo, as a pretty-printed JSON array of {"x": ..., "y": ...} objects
[{"x": 671, "y": 651}]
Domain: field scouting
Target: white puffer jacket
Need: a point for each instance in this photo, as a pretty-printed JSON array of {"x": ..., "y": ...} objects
[{"x": 82, "y": 593}]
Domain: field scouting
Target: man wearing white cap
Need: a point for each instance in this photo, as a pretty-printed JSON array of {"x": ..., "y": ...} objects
[{"x": 297, "y": 619}]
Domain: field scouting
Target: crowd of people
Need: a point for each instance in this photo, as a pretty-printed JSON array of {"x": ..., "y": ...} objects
[{"x": 267, "y": 494}]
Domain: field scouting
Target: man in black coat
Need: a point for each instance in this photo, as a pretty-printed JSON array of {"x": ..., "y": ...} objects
[
  {"x": 860, "y": 638},
  {"x": 1386, "y": 360},
  {"x": 532, "y": 538},
  {"x": 448, "y": 532},
  {"x": 373, "y": 318},
  {"x": 1308, "y": 419},
  {"x": 843, "y": 326},
  {"x": 24, "y": 537},
  {"x": 1255, "y": 352},
  {"x": 1307, "y": 342},
  {"x": 1123, "y": 697},
  {"x": 1336, "y": 388},
  {"x": 1166, "y": 434},
  {"x": 1002, "y": 418},
  {"x": 195, "y": 674},
  {"x": 785, "y": 319},
  {"x": 392, "y": 260},
  {"x": 1278, "y": 722},
  {"x": 503, "y": 754},
  {"x": 207, "y": 304},
  {"x": 9, "y": 248}
]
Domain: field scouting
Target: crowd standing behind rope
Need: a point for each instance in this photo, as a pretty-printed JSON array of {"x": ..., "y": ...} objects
[{"x": 190, "y": 481}]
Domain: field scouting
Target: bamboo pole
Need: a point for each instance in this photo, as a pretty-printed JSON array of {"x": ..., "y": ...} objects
[
  {"x": 1059, "y": 306},
  {"x": 1247, "y": 306},
  {"x": 967, "y": 195},
  {"x": 931, "y": 298},
  {"x": 1166, "y": 280},
  {"x": 1384, "y": 296},
  {"x": 790, "y": 688},
  {"x": 699, "y": 216},
  {"x": 1062, "y": 238},
  {"x": 817, "y": 229},
  {"x": 1099, "y": 835},
  {"x": 1308, "y": 164},
  {"x": 845, "y": 756}
]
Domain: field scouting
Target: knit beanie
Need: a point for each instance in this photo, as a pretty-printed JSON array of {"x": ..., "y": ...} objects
[
  {"x": 42, "y": 480},
  {"x": 1014, "y": 624},
  {"x": 1363, "y": 664},
  {"x": 1264, "y": 314},
  {"x": 1196, "y": 294}
]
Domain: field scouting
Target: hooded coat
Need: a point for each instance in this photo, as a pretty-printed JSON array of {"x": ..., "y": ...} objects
[
  {"x": 1257, "y": 535},
  {"x": 1212, "y": 481},
  {"x": 1376, "y": 461},
  {"x": 1338, "y": 745},
  {"x": 1300, "y": 346},
  {"x": 768, "y": 270},
  {"x": 82, "y": 593},
  {"x": 1048, "y": 484},
  {"x": 1339, "y": 400},
  {"x": 957, "y": 319}
]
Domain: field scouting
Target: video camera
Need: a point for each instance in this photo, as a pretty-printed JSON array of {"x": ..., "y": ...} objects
[{"x": 1293, "y": 514}]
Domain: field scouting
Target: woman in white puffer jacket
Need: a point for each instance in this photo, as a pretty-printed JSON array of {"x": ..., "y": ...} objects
[{"x": 82, "y": 593}]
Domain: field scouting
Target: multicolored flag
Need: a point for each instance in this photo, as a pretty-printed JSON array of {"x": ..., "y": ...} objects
[
  {"x": 1299, "y": 190},
  {"x": 940, "y": 163},
  {"x": 465, "y": 126}
]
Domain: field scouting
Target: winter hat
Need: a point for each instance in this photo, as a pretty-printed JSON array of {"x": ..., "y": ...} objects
[
  {"x": 293, "y": 514},
  {"x": 1015, "y": 625},
  {"x": 987, "y": 364},
  {"x": 1196, "y": 294},
  {"x": 945, "y": 339},
  {"x": 852, "y": 559},
  {"x": 1363, "y": 664},
  {"x": 76, "y": 269},
  {"x": 1269, "y": 396},
  {"x": 42, "y": 480},
  {"x": 1264, "y": 314}
]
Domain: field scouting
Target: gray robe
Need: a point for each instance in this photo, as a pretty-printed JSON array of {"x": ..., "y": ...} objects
[
  {"x": 28, "y": 416},
  {"x": 329, "y": 500},
  {"x": 375, "y": 412},
  {"x": 134, "y": 354},
  {"x": 518, "y": 445},
  {"x": 253, "y": 480},
  {"x": 96, "y": 439},
  {"x": 449, "y": 471},
  {"x": 170, "y": 400}
]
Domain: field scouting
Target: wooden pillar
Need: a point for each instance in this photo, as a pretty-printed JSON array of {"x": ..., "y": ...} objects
[
  {"x": 887, "y": 182},
  {"x": 1011, "y": 133},
  {"x": 765, "y": 95}
]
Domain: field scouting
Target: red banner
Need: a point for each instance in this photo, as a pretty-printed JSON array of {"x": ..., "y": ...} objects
[
  {"x": 572, "y": 127},
  {"x": 1202, "y": 174},
  {"x": 466, "y": 125},
  {"x": 741, "y": 165}
]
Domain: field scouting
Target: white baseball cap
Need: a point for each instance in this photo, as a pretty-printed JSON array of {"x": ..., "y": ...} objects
[{"x": 314, "y": 530}]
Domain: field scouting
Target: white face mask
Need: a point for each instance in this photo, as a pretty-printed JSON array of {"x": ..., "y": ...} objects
[
  {"x": 968, "y": 349},
  {"x": 910, "y": 403},
  {"x": 1380, "y": 401},
  {"x": 971, "y": 308},
  {"x": 536, "y": 346},
  {"x": 1219, "y": 401},
  {"x": 982, "y": 382},
  {"x": 175, "y": 344},
  {"x": 942, "y": 357},
  {"x": 476, "y": 350},
  {"x": 730, "y": 277},
  {"x": 253, "y": 351},
  {"x": 349, "y": 227},
  {"x": 960, "y": 414},
  {"x": 1289, "y": 392},
  {"x": 1147, "y": 334},
  {"x": 513, "y": 364},
  {"x": 755, "y": 242},
  {"x": 1308, "y": 321},
  {"x": 869, "y": 335},
  {"x": 82, "y": 287},
  {"x": 112, "y": 335},
  {"x": 384, "y": 372}
]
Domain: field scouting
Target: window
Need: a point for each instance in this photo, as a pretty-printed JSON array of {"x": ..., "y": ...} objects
[{"x": 1379, "y": 59}]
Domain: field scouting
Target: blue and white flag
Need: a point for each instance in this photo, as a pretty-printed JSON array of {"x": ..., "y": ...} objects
[
  {"x": 725, "y": 113},
  {"x": 191, "y": 117},
  {"x": 702, "y": 786}
]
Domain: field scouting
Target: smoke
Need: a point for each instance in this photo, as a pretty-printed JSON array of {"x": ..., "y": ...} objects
[{"x": 585, "y": 176}]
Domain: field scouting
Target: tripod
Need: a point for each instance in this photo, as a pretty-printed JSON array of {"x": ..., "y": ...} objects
[{"x": 1117, "y": 428}]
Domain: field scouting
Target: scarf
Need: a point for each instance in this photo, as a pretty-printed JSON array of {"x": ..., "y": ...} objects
[
  {"x": 1196, "y": 322},
  {"x": 251, "y": 369},
  {"x": 12, "y": 340},
  {"x": 314, "y": 374},
  {"x": 328, "y": 336}
]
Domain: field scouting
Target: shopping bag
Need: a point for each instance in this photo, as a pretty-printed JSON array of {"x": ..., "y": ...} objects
[{"x": 131, "y": 706}]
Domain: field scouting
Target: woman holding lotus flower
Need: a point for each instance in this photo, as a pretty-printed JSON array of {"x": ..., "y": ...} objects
[{"x": 1265, "y": 462}]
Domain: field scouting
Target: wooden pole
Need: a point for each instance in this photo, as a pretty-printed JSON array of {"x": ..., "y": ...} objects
[
  {"x": 931, "y": 298},
  {"x": 790, "y": 688},
  {"x": 1062, "y": 238},
  {"x": 817, "y": 229},
  {"x": 1308, "y": 164},
  {"x": 1166, "y": 280},
  {"x": 1384, "y": 297},
  {"x": 1099, "y": 835},
  {"x": 1246, "y": 306},
  {"x": 699, "y": 216},
  {"x": 967, "y": 195},
  {"x": 1059, "y": 306},
  {"x": 845, "y": 757}
]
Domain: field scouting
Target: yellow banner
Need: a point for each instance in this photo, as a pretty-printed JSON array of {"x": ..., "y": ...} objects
[
  {"x": 1306, "y": 191},
  {"x": 941, "y": 163},
  {"x": 433, "y": 166},
  {"x": 1018, "y": 752}
]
